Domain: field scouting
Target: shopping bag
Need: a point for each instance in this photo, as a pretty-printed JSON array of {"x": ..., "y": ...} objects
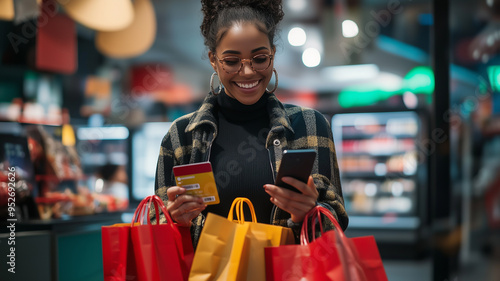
[
  {"x": 143, "y": 251},
  {"x": 332, "y": 256},
  {"x": 234, "y": 250},
  {"x": 117, "y": 253}
]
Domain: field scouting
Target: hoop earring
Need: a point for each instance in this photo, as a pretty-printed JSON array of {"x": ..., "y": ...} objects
[
  {"x": 212, "y": 84},
  {"x": 275, "y": 84}
]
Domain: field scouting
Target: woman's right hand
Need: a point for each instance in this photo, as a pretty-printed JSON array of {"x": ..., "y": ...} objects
[{"x": 183, "y": 208}]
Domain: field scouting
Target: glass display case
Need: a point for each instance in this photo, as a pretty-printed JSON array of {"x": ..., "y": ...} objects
[
  {"x": 382, "y": 168},
  {"x": 18, "y": 187},
  {"x": 145, "y": 144},
  {"x": 100, "y": 145},
  {"x": 104, "y": 158}
]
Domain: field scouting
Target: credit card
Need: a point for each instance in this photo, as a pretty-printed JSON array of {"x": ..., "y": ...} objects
[{"x": 198, "y": 180}]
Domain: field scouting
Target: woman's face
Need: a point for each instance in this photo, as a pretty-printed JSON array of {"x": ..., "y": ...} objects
[{"x": 243, "y": 41}]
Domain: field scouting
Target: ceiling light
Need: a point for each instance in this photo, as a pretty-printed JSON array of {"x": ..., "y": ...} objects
[
  {"x": 349, "y": 29},
  {"x": 351, "y": 72},
  {"x": 297, "y": 5},
  {"x": 311, "y": 57},
  {"x": 103, "y": 133},
  {"x": 297, "y": 36}
]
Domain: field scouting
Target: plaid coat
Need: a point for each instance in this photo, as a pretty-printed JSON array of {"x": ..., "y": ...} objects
[{"x": 292, "y": 127}]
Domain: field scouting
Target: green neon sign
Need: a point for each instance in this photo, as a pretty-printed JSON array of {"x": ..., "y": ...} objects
[
  {"x": 419, "y": 80},
  {"x": 494, "y": 76}
]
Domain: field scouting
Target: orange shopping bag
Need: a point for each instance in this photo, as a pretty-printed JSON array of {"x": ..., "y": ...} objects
[{"x": 234, "y": 250}]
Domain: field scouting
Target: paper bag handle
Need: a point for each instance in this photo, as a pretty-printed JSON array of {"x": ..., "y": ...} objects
[
  {"x": 144, "y": 207},
  {"x": 238, "y": 203}
]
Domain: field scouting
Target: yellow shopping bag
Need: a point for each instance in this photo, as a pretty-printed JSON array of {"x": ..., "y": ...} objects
[{"x": 234, "y": 250}]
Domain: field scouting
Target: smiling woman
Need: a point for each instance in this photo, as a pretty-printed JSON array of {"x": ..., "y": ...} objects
[
  {"x": 243, "y": 129},
  {"x": 243, "y": 61}
]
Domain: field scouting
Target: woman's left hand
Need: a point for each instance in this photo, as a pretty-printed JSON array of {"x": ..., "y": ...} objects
[{"x": 297, "y": 204}]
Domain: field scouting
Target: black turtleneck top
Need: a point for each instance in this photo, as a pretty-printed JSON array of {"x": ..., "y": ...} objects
[{"x": 239, "y": 158}]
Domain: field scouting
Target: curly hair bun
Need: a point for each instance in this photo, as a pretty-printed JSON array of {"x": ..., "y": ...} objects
[{"x": 211, "y": 8}]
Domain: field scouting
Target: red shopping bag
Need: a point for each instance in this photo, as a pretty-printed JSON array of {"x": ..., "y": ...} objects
[
  {"x": 117, "y": 253},
  {"x": 332, "y": 256},
  {"x": 148, "y": 252}
]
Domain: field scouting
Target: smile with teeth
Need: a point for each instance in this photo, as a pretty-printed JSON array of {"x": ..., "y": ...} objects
[{"x": 247, "y": 85}]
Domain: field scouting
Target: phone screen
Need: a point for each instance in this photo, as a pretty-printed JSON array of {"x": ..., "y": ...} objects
[{"x": 296, "y": 164}]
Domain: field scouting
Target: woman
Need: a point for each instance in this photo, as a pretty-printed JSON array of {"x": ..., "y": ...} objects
[{"x": 242, "y": 128}]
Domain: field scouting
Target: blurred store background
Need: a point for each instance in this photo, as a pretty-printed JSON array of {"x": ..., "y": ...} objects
[{"x": 411, "y": 87}]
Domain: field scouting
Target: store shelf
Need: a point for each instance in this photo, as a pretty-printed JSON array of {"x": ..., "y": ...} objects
[
  {"x": 382, "y": 194},
  {"x": 378, "y": 154},
  {"x": 55, "y": 178},
  {"x": 384, "y": 222},
  {"x": 28, "y": 121},
  {"x": 377, "y": 157},
  {"x": 363, "y": 136},
  {"x": 372, "y": 175}
]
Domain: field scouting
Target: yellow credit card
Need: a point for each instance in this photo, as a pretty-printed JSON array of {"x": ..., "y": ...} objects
[{"x": 198, "y": 180}]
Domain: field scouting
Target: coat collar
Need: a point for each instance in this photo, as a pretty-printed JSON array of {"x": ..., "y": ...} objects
[
  {"x": 205, "y": 114},
  {"x": 277, "y": 113}
]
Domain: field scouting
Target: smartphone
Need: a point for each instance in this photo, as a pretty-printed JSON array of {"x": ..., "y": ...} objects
[{"x": 296, "y": 164}]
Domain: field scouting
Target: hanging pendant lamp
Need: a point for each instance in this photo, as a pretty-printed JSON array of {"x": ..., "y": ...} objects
[
  {"x": 101, "y": 15},
  {"x": 6, "y": 9},
  {"x": 133, "y": 40}
]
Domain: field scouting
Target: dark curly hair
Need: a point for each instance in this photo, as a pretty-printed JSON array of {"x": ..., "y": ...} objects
[{"x": 220, "y": 15}]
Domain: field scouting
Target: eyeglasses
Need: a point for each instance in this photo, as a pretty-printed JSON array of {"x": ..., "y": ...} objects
[{"x": 233, "y": 65}]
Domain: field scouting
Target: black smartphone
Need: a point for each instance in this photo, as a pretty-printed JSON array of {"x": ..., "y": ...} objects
[{"x": 296, "y": 164}]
